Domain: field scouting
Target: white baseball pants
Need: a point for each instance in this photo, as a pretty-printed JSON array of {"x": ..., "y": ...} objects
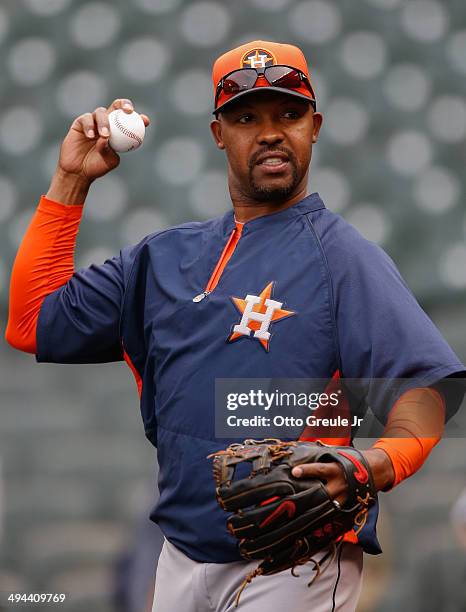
[{"x": 184, "y": 585}]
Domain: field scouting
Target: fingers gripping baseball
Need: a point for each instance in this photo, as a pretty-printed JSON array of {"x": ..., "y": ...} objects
[
  {"x": 85, "y": 151},
  {"x": 128, "y": 107},
  {"x": 331, "y": 474}
]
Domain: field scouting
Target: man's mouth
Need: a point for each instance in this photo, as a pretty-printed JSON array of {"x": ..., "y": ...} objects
[
  {"x": 273, "y": 163},
  {"x": 272, "y": 158}
]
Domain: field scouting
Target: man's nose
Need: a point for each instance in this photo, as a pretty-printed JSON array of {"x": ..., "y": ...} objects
[{"x": 269, "y": 132}]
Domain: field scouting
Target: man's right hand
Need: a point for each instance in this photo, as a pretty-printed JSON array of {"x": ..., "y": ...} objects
[{"x": 85, "y": 154}]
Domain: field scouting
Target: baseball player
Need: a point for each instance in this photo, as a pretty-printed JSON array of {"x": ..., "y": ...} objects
[{"x": 277, "y": 287}]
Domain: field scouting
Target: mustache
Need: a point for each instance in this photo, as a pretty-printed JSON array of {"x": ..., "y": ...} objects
[{"x": 255, "y": 157}]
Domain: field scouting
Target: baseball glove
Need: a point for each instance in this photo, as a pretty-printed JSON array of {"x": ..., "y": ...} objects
[{"x": 282, "y": 520}]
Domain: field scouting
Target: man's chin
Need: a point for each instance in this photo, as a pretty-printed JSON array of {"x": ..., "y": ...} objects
[{"x": 272, "y": 193}]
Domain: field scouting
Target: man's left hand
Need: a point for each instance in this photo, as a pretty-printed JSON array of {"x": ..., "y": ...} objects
[{"x": 332, "y": 475}]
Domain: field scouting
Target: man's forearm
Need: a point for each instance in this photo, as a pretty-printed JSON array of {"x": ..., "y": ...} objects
[
  {"x": 415, "y": 425},
  {"x": 44, "y": 262},
  {"x": 66, "y": 188}
]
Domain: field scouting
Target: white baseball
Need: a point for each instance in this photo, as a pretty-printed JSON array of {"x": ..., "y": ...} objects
[{"x": 126, "y": 130}]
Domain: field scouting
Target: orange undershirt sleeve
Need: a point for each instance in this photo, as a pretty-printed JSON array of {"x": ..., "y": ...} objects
[
  {"x": 414, "y": 426},
  {"x": 44, "y": 262}
]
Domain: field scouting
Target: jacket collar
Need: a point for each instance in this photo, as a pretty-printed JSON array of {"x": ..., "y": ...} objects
[{"x": 308, "y": 204}]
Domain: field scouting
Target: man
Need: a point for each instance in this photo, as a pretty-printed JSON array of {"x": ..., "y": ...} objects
[{"x": 277, "y": 287}]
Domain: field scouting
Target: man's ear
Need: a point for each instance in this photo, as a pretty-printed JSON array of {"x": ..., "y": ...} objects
[
  {"x": 216, "y": 129},
  {"x": 318, "y": 119}
]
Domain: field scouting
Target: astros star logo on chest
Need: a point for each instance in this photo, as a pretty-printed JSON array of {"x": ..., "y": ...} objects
[{"x": 258, "y": 313}]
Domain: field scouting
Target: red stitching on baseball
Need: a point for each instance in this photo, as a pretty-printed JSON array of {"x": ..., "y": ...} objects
[{"x": 125, "y": 131}]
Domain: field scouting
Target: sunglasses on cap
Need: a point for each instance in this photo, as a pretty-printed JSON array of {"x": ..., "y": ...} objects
[{"x": 243, "y": 79}]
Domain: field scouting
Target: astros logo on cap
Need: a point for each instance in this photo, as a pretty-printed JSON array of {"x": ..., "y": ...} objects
[{"x": 257, "y": 58}]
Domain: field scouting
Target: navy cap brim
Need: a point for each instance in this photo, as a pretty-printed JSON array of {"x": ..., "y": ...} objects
[{"x": 290, "y": 92}]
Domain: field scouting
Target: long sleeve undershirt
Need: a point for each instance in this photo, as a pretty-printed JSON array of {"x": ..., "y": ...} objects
[{"x": 44, "y": 262}]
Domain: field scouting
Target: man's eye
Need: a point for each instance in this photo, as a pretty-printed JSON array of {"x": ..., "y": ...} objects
[
  {"x": 291, "y": 114},
  {"x": 245, "y": 118}
]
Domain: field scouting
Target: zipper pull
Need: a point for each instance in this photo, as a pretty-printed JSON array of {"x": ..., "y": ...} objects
[{"x": 201, "y": 296}]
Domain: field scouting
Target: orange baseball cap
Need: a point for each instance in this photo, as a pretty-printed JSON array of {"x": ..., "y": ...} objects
[{"x": 260, "y": 54}]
